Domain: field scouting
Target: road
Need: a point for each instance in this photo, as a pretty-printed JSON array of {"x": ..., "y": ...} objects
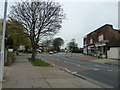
[{"x": 102, "y": 74}]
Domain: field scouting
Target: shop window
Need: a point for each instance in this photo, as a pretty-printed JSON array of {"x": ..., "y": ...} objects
[{"x": 100, "y": 38}]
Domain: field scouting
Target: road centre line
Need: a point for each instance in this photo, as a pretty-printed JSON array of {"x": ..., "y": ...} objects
[
  {"x": 89, "y": 66},
  {"x": 95, "y": 69},
  {"x": 109, "y": 70},
  {"x": 78, "y": 64},
  {"x": 104, "y": 66},
  {"x": 97, "y": 65}
]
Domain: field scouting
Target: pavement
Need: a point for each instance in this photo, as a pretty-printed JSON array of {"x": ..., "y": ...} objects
[
  {"x": 22, "y": 74},
  {"x": 0, "y": 85},
  {"x": 95, "y": 59}
]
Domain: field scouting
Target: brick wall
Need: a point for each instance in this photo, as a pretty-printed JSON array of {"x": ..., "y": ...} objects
[{"x": 109, "y": 34}]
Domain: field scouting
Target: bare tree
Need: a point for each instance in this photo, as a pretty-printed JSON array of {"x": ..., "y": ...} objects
[{"x": 39, "y": 18}]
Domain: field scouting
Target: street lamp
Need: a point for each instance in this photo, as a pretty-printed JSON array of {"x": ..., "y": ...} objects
[{"x": 3, "y": 43}]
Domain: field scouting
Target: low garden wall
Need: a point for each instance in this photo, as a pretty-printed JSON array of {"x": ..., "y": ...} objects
[{"x": 9, "y": 58}]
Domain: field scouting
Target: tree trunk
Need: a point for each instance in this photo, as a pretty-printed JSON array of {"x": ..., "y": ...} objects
[
  {"x": 33, "y": 54},
  {"x": 34, "y": 48}
]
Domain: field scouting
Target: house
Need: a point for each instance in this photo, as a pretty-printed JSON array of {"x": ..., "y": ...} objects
[
  {"x": 42, "y": 47},
  {"x": 102, "y": 40}
]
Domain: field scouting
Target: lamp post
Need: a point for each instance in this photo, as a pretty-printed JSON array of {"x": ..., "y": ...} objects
[{"x": 3, "y": 43}]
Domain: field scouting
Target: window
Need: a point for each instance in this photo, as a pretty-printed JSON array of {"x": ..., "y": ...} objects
[
  {"x": 85, "y": 43},
  {"x": 100, "y": 38},
  {"x": 91, "y": 41}
]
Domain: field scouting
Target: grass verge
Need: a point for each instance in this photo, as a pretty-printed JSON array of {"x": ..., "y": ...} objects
[{"x": 38, "y": 62}]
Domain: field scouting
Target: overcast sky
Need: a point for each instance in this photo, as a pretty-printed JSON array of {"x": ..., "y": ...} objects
[{"x": 82, "y": 17}]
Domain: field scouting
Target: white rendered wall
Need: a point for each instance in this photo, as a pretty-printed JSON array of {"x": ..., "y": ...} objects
[{"x": 114, "y": 53}]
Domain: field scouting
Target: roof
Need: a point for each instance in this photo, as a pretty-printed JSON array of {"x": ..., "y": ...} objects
[{"x": 99, "y": 29}]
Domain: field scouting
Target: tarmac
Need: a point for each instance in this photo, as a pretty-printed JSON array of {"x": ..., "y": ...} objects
[
  {"x": 22, "y": 74},
  {"x": 95, "y": 59}
]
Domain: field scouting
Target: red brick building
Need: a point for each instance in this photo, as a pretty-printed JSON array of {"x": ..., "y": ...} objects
[{"x": 101, "y": 40}]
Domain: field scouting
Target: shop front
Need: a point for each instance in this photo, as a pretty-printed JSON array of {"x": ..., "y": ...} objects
[
  {"x": 91, "y": 50},
  {"x": 101, "y": 48},
  {"x": 85, "y": 50}
]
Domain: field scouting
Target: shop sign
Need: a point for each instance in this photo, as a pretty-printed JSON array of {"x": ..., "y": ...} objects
[{"x": 91, "y": 46}]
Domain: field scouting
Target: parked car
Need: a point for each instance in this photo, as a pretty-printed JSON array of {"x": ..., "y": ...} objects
[
  {"x": 55, "y": 51},
  {"x": 51, "y": 52}
]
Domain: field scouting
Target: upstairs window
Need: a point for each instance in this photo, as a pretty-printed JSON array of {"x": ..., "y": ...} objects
[
  {"x": 91, "y": 41},
  {"x": 85, "y": 42},
  {"x": 100, "y": 38}
]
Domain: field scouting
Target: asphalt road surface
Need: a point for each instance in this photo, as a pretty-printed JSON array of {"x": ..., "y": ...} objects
[{"x": 100, "y": 73}]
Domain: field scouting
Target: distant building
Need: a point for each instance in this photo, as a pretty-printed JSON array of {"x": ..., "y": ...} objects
[
  {"x": 102, "y": 40},
  {"x": 42, "y": 47}
]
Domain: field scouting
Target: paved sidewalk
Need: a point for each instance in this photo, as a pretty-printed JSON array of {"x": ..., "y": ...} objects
[
  {"x": 94, "y": 59},
  {"x": 22, "y": 74},
  {"x": 0, "y": 85}
]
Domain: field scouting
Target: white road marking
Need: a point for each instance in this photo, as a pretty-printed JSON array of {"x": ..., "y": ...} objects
[
  {"x": 70, "y": 71},
  {"x": 104, "y": 66},
  {"x": 74, "y": 72},
  {"x": 109, "y": 70},
  {"x": 53, "y": 64},
  {"x": 64, "y": 61},
  {"x": 107, "y": 67},
  {"x": 97, "y": 65},
  {"x": 67, "y": 70},
  {"x": 95, "y": 68},
  {"x": 78, "y": 65}
]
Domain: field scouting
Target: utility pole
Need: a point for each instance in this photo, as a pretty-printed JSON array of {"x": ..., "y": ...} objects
[{"x": 3, "y": 43}]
